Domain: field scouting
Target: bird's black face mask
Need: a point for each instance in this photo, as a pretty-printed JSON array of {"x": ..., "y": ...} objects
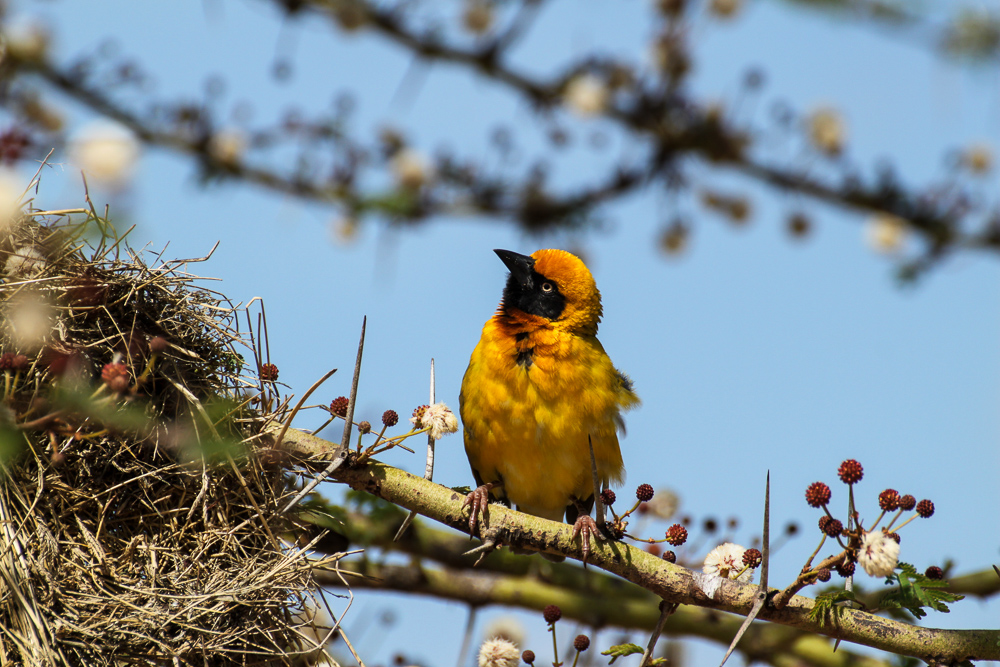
[{"x": 527, "y": 290}]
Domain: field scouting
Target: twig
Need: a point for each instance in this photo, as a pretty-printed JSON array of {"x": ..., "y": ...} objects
[
  {"x": 666, "y": 609},
  {"x": 298, "y": 406},
  {"x": 345, "y": 441},
  {"x": 351, "y": 648},
  {"x": 761, "y": 598},
  {"x": 805, "y": 578},
  {"x": 467, "y": 637},
  {"x": 344, "y": 449}
]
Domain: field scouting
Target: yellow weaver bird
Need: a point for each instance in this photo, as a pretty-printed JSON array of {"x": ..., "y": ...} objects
[{"x": 539, "y": 389}]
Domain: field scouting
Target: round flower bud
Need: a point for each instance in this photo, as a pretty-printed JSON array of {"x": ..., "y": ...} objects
[
  {"x": 158, "y": 344},
  {"x": 116, "y": 376},
  {"x": 818, "y": 494},
  {"x": 644, "y": 493},
  {"x": 551, "y": 614},
  {"x": 752, "y": 557},
  {"x": 833, "y": 527},
  {"x": 934, "y": 572},
  {"x": 823, "y": 574},
  {"x": 845, "y": 569},
  {"x": 581, "y": 643},
  {"x": 907, "y": 502},
  {"x": 269, "y": 373},
  {"x": 390, "y": 418},
  {"x": 677, "y": 535},
  {"x": 888, "y": 500},
  {"x": 528, "y": 657},
  {"x": 113, "y": 370},
  {"x": 850, "y": 472},
  {"x": 364, "y": 427},
  {"x": 338, "y": 406},
  {"x": 925, "y": 508},
  {"x": 608, "y": 497},
  {"x": 669, "y": 556}
]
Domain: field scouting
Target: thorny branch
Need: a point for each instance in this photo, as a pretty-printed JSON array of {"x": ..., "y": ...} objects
[{"x": 672, "y": 583}]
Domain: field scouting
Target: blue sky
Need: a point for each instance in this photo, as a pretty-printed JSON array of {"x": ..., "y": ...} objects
[{"x": 751, "y": 352}]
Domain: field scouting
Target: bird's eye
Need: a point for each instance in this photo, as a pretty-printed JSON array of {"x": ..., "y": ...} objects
[{"x": 547, "y": 287}]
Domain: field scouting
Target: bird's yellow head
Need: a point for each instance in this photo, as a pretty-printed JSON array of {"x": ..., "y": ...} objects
[{"x": 553, "y": 285}]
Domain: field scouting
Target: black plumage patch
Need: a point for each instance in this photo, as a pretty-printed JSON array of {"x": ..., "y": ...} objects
[
  {"x": 536, "y": 296},
  {"x": 524, "y": 357}
]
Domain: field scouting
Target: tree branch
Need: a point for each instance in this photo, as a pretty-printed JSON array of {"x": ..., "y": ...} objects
[
  {"x": 771, "y": 643},
  {"x": 668, "y": 581}
]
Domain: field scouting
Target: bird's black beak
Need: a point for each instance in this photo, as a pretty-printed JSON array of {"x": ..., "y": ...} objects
[{"x": 521, "y": 267}]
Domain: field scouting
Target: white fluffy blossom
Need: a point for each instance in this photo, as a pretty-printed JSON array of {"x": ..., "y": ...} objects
[
  {"x": 25, "y": 262},
  {"x": 879, "y": 553},
  {"x": 11, "y": 189},
  {"x": 29, "y": 321},
  {"x": 587, "y": 95},
  {"x": 978, "y": 158},
  {"x": 438, "y": 417},
  {"x": 27, "y": 39},
  {"x": 726, "y": 560},
  {"x": 505, "y": 627},
  {"x": 885, "y": 233},
  {"x": 228, "y": 146},
  {"x": 410, "y": 169},
  {"x": 827, "y": 131},
  {"x": 105, "y": 152},
  {"x": 498, "y": 652}
]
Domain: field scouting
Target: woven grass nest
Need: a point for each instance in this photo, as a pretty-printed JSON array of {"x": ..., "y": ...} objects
[{"x": 138, "y": 523}]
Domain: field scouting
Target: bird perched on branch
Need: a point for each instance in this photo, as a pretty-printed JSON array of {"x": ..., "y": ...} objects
[{"x": 539, "y": 390}]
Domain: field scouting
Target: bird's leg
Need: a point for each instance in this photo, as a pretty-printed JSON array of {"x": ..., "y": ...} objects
[
  {"x": 478, "y": 501},
  {"x": 586, "y": 527}
]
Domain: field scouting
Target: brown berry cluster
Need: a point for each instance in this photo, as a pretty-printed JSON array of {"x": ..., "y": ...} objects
[
  {"x": 339, "y": 407},
  {"x": 676, "y": 535},
  {"x": 890, "y": 502},
  {"x": 269, "y": 373},
  {"x": 13, "y": 362},
  {"x": 116, "y": 376},
  {"x": 619, "y": 524}
]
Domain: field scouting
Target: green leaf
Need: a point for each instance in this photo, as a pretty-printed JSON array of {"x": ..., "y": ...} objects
[
  {"x": 11, "y": 442},
  {"x": 622, "y": 650},
  {"x": 825, "y": 606},
  {"x": 916, "y": 592}
]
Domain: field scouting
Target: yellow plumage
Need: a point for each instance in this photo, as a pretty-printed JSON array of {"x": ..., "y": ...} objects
[{"x": 538, "y": 384}]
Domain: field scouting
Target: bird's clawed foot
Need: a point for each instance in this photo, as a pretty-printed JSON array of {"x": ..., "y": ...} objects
[
  {"x": 586, "y": 527},
  {"x": 479, "y": 501}
]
